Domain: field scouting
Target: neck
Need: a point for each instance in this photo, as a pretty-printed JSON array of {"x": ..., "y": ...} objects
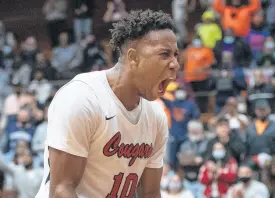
[{"x": 119, "y": 79}]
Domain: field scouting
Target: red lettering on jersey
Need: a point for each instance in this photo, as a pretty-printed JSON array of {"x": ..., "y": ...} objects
[{"x": 129, "y": 151}]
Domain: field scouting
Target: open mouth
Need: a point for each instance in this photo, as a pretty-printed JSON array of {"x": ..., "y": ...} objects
[{"x": 163, "y": 85}]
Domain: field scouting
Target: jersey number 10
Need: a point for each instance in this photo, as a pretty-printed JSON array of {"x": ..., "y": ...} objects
[{"x": 128, "y": 189}]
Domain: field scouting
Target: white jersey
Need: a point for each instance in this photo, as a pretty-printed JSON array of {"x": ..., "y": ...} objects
[{"x": 86, "y": 119}]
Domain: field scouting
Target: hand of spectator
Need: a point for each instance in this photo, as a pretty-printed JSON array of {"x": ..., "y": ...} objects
[
  {"x": 211, "y": 166},
  {"x": 198, "y": 160},
  {"x": 84, "y": 8},
  {"x": 110, "y": 6},
  {"x": 237, "y": 192}
]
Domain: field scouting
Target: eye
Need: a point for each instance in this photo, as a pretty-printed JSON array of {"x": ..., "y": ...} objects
[{"x": 165, "y": 54}]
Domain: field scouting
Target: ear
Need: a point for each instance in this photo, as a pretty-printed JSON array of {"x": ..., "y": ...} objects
[{"x": 132, "y": 57}]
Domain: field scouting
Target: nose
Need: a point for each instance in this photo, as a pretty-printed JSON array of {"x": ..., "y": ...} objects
[{"x": 174, "y": 65}]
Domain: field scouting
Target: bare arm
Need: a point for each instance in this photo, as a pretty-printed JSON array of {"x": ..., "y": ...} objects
[
  {"x": 149, "y": 184},
  {"x": 66, "y": 171}
]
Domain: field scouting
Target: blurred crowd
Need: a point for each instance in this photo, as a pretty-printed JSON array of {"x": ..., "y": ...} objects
[{"x": 220, "y": 110}]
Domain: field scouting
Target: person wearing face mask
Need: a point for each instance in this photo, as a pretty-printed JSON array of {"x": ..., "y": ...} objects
[
  {"x": 40, "y": 87},
  {"x": 268, "y": 57},
  {"x": 191, "y": 156},
  {"x": 260, "y": 134},
  {"x": 182, "y": 111},
  {"x": 246, "y": 186},
  {"x": 260, "y": 91},
  {"x": 167, "y": 174},
  {"x": 175, "y": 189},
  {"x": 198, "y": 61},
  {"x": 232, "y": 51},
  {"x": 218, "y": 173},
  {"x": 23, "y": 177}
]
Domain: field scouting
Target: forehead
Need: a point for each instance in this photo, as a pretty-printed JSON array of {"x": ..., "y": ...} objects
[{"x": 156, "y": 40}]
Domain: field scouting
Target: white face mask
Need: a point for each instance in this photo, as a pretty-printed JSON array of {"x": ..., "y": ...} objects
[
  {"x": 180, "y": 95},
  {"x": 269, "y": 45},
  {"x": 196, "y": 43},
  {"x": 219, "y": 154},
  {"x": 164, "y": 183},
  {"x": 174, "y": 186}
]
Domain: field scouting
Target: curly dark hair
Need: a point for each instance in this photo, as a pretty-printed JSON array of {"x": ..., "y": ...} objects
[{"x": 137, "y": 24}]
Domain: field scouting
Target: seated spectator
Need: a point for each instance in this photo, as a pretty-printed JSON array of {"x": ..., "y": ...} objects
[
  {"x": 209, "y": 31},
  {"x": 260, "y": 90},
  {"x": 219, "y": 172},
  {"x": 167, "y": 174},
  {"x": 247, "y": 187},
  {"x": 198, "y": 60},
  {"x": 5, "y": 88},
  {"x": 227, "y": 84},
  {"x": 39, "y": 138},
  {"x": 40, "y": 87},
  {"x": 29, "y": 50},
  {"x": 16, "y": 100},
  {"x": 94, "y": 55},
  {"x": 236, "y": 15},
  {"x": 182, "y": 110},
  {"x": 267, "y": 59},
  {"x": 257, "y": 35},
  {"x": 66, "y": 57},
  {"x": 260, "y": 134},
  {"x": 176, "y": 189},
  {"x": 229, "y": 138},
  {"x": 25, "y": 179},
  {"x": 236, "y": 120},
  {"x": 43, "y": 63},
  {"x": 232, "y": 51},
  {"x": 19, "y": 128},
  {"x": 21, "y": 146},
  {"x": 191, "y": 156}
]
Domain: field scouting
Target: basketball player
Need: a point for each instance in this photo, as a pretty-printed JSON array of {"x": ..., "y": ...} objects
[{"x": 105, "y": 136}]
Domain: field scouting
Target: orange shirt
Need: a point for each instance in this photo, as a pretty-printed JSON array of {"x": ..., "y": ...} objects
[
  {"x": 237, "y": 19},
  {"x": 197, "y": 63},
  {"x": 260, "y": 126},
  {"x": 167, "y": 112}
]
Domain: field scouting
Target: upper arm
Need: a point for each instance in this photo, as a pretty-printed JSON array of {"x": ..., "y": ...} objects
[
  {"x": 156, "y": 159},
  {"x": 73, "y": 118},
  {"x": 149, "y": 184},
  {"x": 66, "y": 171}
]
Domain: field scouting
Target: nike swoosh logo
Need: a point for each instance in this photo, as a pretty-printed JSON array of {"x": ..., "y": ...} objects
[{"x": 109, "y": 118}]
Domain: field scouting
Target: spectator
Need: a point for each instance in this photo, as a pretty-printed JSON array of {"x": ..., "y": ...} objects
[
  {"x": 25, "y": 179},
  {"x": 44, "y": 64},
  {"x": 66, "y": 57},
  {"x": 198, "y": 60},
  {"x": 16, "y": 100},
  {"x": 183, "y": 110},
  {"x": 218, "y": 173},
  {"x": 83, "y": 12},
  {"x": 39, "y": 138},
  {"x": 227, "y": 84},
  {"x": 232, "y": 51},
  {"x": 167, "y": 174},
  {"x": 270, "y": 16},
  {"x": 267, "y": 58},
  {"x": 20, "y": 128},
  {"x": 257, "y": 34},
  {"x": 260, "y": 90},
  {"x": 29, "y": 50},
  {"x": 40, "y": 87},
  {"x": 236, "y": 15},
  {"x": 115, "y": 11},
  {"x": 180, "y": 16},
  {"x": 236, "y": 120},
  {"x": 94, "y": 55},
  {"x": 229, "y": 138},
  {"x": 176, "y": 190},
  {"x": 21, "y": 146},
  {"x": 260, "y": 134},
  {"x": 209, "y": 31},
  {"x": 247, "y": 187},
  {"x": 56, "y": 16},
  {"x": 5, "y": 88},
  {"x": 191, "y": 156},
  {"x": 271, "y": 174}
]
